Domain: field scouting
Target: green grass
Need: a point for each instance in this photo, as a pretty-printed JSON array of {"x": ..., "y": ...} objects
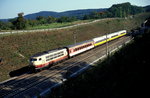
[
  {"x": 53, "y": 25},
  {"x": 57, "y": 25},
  {"x": 27, "y": 44},
  {"x": 49, "y": 26}
]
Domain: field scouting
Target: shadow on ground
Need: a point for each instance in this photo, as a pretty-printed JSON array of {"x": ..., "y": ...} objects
[{"x": 21, "y": 71}]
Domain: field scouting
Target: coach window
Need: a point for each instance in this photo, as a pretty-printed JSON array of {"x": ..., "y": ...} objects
[{"x": 40, "y": 59}]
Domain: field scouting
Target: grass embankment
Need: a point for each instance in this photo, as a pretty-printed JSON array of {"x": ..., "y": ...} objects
[
  {"x": 123, "y": 75},
  {"x": 57, "y": 25},
  {"x": 15, "y": 49}
]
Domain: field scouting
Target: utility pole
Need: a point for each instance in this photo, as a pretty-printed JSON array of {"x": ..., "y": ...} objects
[
  {"x": 106, "y": 45},
  {"x": 74, "y": 37},
  {"x": 107, "y": 50}
]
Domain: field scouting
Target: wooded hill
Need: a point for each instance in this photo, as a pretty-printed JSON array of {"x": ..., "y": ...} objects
[
  {"x": 44, "y": 18},
  {"x": 118, "y": 10}
]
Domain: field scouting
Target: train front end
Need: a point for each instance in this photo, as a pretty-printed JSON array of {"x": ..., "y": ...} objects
[{"x": 36, "y": 63}]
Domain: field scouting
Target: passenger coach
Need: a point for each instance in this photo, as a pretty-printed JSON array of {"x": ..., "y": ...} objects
[
  {"x": 103, "y": 39},
  {"x": 80, "y": 47}
]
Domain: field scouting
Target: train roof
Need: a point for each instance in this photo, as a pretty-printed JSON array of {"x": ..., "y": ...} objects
[
  {"x": 80, "y": 43},
  {"x": 119, "y": 32},
  {"x": 99, "y": 38},
  {"x": 47, "y": 52},
  {"x": 108, "y": 35}
]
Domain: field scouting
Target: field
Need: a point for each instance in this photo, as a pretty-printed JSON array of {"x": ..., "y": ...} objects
[
  {"x": 15, "y": 49},
  {"x": 58, "y": 25}
]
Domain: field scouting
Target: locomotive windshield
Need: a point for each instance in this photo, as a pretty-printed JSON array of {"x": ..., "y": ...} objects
[{"x": 32, "y": 59}]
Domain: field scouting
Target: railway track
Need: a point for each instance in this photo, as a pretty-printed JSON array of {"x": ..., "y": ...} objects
[{"x": 49, "y": 78}]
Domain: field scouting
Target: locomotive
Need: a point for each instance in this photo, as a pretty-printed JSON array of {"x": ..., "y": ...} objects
[{"x": 50, "y": 57}]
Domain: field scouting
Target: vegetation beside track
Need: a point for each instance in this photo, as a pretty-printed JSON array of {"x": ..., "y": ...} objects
[
  {"x": 123, "y": 75},
  {"x": 15, "y": 49}
]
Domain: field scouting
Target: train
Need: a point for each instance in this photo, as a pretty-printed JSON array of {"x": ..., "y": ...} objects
[{"x": 48, "y": 58}]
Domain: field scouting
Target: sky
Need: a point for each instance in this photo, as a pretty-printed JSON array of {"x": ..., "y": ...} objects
[{"x": 11, "y": 8}]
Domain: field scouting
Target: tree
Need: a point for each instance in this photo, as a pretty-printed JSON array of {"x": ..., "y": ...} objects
[
  {"x": 41, "y": 20},
  {"x": 32, "y": 22},
  {"x": 73, "y": 18},
  {"x": 64, "y": 19},
  {"x": 86, "y": 17},
  {"x": 95, "y": 15},
  {"x": 51, "y": 19},
  {"x": 5, "y": 25},
  {"x": 20, "y": 22}
]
